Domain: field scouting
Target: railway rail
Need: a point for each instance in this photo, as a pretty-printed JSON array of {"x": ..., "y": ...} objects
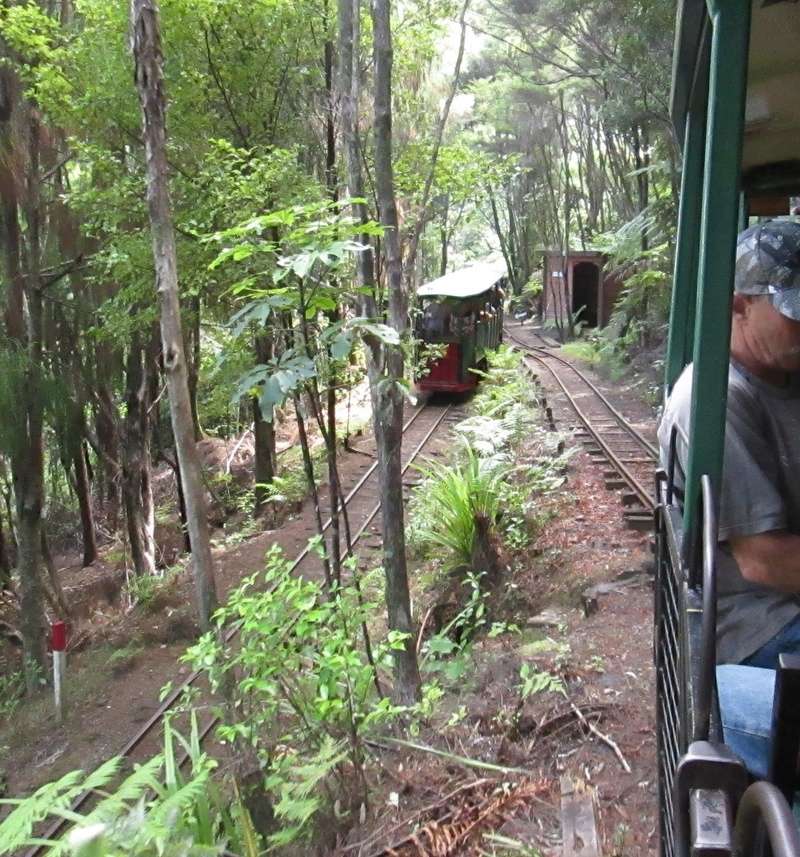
[
  {"x": 626, "y": 454},
  {"x": 418, "y": 431}
]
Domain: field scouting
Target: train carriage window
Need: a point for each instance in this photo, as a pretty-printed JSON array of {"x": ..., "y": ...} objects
[{"x": 436, "y": 320}]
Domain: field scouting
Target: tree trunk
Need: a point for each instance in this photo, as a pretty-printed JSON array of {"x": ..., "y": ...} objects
[
  {"x": 5, "y": 562},
  {"x": 150, "y": 86},
  {"x": 308, "y": 465},
  {"x": 444, "y": 238},
  {"x": 193, "y": 363},
  {"x": 55, "y": 595},
  {"x": 83, "y": 489},
  {"x": 263, "y": 430},
  {"x": 484, "y": 557},
  {"x": 176, "y": 472},
  {"x": 388, "y": 394},
  {"x": 107, "y": 442},
  {"x": 349, "y": 84},
  {"x": 25, "y": 289},
  {"x": 136, "y": 464},
  {"x": 437, "y": 137},
  {"x": 333, "y": 479}
]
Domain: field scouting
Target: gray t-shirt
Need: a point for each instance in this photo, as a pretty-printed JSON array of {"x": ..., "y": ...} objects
[{"x": 760, "y": 492}]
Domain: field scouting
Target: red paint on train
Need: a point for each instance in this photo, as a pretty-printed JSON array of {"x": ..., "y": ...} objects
[{"x": 444, "y": 372}]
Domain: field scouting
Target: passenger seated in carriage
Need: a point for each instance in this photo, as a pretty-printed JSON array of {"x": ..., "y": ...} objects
[
  {"x": 758, "y": 561},
  {"x": 435, "y": 320}
]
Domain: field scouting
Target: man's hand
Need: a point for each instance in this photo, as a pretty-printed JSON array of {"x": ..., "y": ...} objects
[{"x": 771, "y": 559}]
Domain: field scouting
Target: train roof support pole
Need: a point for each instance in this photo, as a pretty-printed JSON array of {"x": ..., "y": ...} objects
[
  {"x": 684, "y": 288},
  {"x": 730, "y": 21}
]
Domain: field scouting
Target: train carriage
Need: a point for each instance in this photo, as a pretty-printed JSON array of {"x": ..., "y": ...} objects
[
  {"x": 735, "y": 109},
  {"x": 463, "y": 313}
]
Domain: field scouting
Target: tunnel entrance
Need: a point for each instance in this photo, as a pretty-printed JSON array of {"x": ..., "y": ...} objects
[{"x": 585, "y": 289}]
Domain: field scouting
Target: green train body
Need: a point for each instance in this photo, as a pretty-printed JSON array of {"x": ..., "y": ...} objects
[{"x": 737, "y": 114}]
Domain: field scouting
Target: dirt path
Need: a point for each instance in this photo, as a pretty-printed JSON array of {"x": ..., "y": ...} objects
[{"x": 589, "y": 550}]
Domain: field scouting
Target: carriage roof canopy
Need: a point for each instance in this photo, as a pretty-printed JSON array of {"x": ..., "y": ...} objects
[
  {"x": 466, "y": 283},
  {"x": 772, "y": 117}
]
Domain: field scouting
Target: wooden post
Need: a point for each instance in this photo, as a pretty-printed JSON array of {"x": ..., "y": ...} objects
[{"x": 58, "y": 643}]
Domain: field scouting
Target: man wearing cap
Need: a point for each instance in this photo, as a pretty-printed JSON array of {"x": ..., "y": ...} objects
[{"x": 758, "y": 564}]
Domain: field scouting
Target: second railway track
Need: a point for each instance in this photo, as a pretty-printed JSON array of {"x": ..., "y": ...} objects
[
  {"x": 363, "y": 506},
  {"x": 627, "y": 456}
]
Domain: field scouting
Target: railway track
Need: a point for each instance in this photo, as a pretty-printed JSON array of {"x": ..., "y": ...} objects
[
  {"x": 363, "y": 506},
  {"x": 627, "y": 456}
]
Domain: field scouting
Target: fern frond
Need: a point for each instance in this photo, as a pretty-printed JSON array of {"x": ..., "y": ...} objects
[
  {"x": 17, "y": 828},
  {"x": 130, "y": 790},
  {"x": 103, "y": 775},
  {"x": 178, "y": 802}
]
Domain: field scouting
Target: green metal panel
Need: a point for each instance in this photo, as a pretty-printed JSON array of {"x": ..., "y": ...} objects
[
  {"x": 744, "y": 211},
  {"x": 468, "y": 349},
  {"x": 727, "y": 84},
  {"x": 684, "y": 289}
]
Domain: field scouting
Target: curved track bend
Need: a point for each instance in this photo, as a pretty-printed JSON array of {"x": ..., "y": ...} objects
[{"x": 626, "y": 454}]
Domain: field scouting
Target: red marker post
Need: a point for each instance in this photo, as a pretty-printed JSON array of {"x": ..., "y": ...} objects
[{"x": 58, "y": 643}]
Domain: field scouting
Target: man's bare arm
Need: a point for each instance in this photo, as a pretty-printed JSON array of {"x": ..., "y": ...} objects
[{"x": 771, "y": 559}]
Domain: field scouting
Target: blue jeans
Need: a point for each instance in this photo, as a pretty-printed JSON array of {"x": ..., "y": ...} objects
[
  {"x": 746, "y": 693},
  {"x": 745, "y": 703},
  {"x": 786, "y": 640}
]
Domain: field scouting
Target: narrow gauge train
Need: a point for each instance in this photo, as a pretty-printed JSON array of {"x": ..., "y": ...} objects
[
  {"x": 463, "y": 312},
  {"x": 735, "y": 109}
]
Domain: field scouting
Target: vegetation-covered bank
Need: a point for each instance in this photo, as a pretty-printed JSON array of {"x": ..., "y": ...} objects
[{"x": 305, "y": 700}]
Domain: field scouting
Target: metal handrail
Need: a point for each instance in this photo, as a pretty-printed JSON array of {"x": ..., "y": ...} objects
[
  {"x": 763, "y": 807},
  {"x": 708, "y": 633},
  {"x": 673, "y": 451}
]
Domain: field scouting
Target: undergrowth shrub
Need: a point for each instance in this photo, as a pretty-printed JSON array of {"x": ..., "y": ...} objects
[
  {"x": 504, "y": 385},
  {"x": 301, "y": 687},
  {"x": 460, "y": 507},
  {"x": 486, "y": 493},
  {"x": 12, "y": 692}
]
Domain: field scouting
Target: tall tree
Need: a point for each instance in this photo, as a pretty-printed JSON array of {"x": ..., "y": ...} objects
[
  {"x": 152, "y": 97},
  {"x": 20, "y": 184},
  {"x": 388, "y": 394}
]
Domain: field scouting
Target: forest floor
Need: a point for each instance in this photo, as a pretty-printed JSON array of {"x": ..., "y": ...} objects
[{"x": 604, "y": 660}]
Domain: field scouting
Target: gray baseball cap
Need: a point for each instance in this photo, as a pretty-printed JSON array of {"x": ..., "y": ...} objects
[{"x": 768, "y": 263}]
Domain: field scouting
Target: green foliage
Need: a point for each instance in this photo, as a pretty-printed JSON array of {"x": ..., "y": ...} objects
[
  {"x": 447, "y": 653},
  {"x": 533, "y": 681},
  {"x": 37, "y": 40},
  {"x": 505, "y": 386},
  {"x": 482, "y": 479},
  {"x": 154, "y": 811},
  {"x": 294, "y": 260},
  {"x": 12, "y": 692},
  {"x": 144, "y": 589},
  {"x": 303, "y": 690},
  {"x": 125, "y": 655},
  {"x": 640, "y": 255},
  {"x": 455, "y": 495}
]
